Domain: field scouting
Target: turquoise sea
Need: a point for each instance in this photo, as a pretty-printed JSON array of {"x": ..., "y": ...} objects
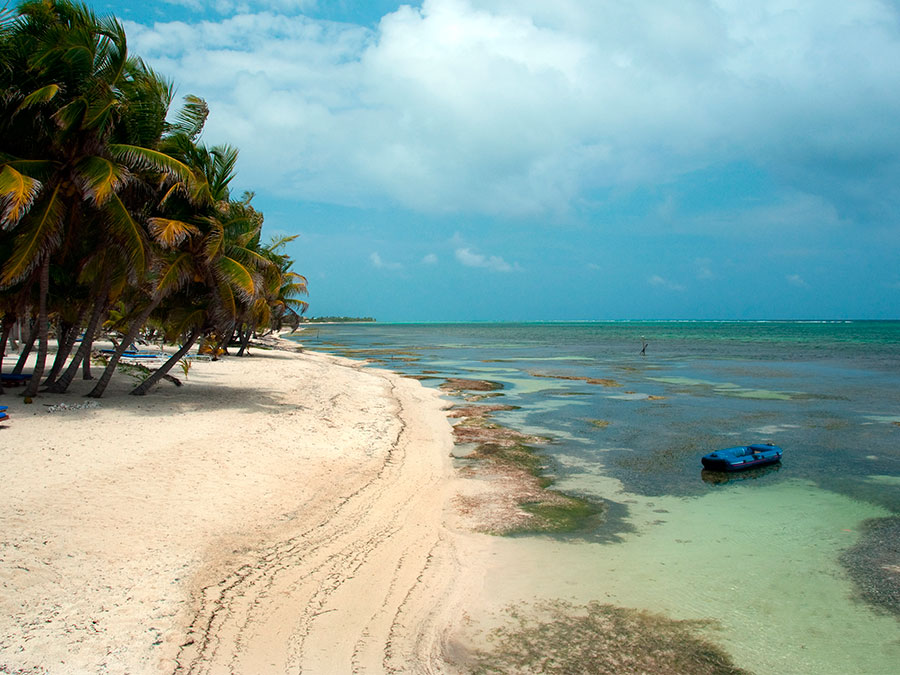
[{"x": 767, "y": 556}]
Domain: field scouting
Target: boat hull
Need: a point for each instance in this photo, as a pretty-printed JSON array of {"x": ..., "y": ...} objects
[{"x": 742, "y": 457}]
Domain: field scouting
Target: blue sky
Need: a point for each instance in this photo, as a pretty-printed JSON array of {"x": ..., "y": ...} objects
[{"x": 580, "y": 159}]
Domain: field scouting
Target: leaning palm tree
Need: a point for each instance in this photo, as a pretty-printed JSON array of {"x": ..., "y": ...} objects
[
  {"x": 286, "y": 306},
  {"x": 195, "y": 236},
  {"x": 186, "y": 318}
]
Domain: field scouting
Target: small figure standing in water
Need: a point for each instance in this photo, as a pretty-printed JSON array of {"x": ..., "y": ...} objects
[{"x": 644, "y": 344}]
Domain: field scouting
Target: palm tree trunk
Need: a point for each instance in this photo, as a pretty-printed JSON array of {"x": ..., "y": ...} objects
[
  {"x": 68, "y": 333},
  {"x": 158, "y": 374},
  {"x": 9, "y": 320},
  {"x": 223, "y": 343},
  {"x": 245, "y": 340},
  {"x": 43, "y": 328},
  {"x": 84, "y": 351},
  {"x": 133, "y": 330},
  {"x": 86, "y": 362},
  {"x": 27, "y": 345}
]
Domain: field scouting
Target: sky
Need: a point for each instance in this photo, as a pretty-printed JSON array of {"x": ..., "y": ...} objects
[{"x": 570, "y": 160}]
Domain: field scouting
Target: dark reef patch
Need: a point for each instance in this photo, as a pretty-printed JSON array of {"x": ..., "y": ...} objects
[{"x": 874, "y": 563}]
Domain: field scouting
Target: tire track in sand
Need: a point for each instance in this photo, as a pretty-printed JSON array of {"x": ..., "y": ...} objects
[{"x": 368, "y": 585}]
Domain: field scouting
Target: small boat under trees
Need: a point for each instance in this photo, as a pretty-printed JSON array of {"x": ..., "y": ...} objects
[{"x": 742, "y": 457}]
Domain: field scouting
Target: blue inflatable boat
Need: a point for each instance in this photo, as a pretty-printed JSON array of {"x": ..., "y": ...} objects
[{"x": 742, "y": 457}]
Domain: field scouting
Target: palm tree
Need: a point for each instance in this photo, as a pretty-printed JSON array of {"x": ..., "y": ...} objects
[
  {"x": 97, "y": 188},
  {"x": 285, "y": 304},
  {"x": 67, "y": 78},
  {"x": 212, "y": 244}
]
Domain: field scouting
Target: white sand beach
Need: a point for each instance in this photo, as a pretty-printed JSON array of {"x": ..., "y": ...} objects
[{"x": 280, "y": 513}]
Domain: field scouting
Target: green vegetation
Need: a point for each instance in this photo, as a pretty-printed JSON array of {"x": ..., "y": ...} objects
[
  {"x": 558, "y": 637},
  {"x": 562, "y": 513},
  {"x": 113, "y": 214}
]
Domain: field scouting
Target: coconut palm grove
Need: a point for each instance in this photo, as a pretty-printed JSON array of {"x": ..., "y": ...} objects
[{"x": 114, "y": 216}]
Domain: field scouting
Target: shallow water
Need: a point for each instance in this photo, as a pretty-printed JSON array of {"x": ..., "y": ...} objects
[
  {"x": 762, "y": 564},
  {"x": 757, "y": 552}
]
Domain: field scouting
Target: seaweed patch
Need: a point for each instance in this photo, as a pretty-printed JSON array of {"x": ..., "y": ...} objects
[
  {"x": 516, "y": 499},
  {"x": 874, "y": 563},
  {"x": 557, "y": 637}
]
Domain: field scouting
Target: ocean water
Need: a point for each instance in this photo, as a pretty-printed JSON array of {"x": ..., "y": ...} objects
[{"x": 757, "y": 553}]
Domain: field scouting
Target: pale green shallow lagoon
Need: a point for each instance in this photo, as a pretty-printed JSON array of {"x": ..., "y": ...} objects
[{"x": 764, "y": 564}]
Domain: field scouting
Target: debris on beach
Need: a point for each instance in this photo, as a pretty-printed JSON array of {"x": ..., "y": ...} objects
[{"x": 62, "y": 407}]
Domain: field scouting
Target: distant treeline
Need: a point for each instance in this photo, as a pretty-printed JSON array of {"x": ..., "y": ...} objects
[{"x": 334, "y": 319}]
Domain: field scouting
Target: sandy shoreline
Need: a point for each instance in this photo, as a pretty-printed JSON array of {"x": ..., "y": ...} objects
[{"x": 278, "y": 513}]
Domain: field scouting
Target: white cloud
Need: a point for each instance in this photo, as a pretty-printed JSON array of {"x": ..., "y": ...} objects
[
  {"x": 661, "y": 282},
  {"x": 797, "y": 280},
  {"x": 523, "y": 107},
  {"x": 430, "y": 259},
  {"x": 377, "y": 261},
  {"x": 467, "y": 257}
]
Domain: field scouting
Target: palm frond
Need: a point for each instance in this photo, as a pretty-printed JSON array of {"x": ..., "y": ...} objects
[
  {"x": 99, "y": 178},
  {"x": 262, "y": 312},
  {"x": 177, "y": 188},
  {"x": 42, "y": 95},
  {"x": 280, "y": 242},
  {"x": 213, "y": 243},
  {"x": 297, "y": 279},
  {"x": 9, "y": 17},
  {"x": 183, "y": 321},
  {"x": 139, "y": 157},
  {"x": 251, "y": 257},
  {"x": 170, "y": 232},
  {"x": 124, "y": 228},
  {"x": 226, "y": 299},
  {"x": 39, "y": 169},
  {"x": 191, "y": 119},
  {"x": 96, "y": 116},
  {"x": 40, "y": 236},
  {"x": 222, "y": 170},
  {"x": 175, "y": 274},
  {"x": 236, "y": 275},
  {"x": 71, "y": 116},
  {"x": 114, "y": 52},
  {"x": 17, "y": 194}
]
